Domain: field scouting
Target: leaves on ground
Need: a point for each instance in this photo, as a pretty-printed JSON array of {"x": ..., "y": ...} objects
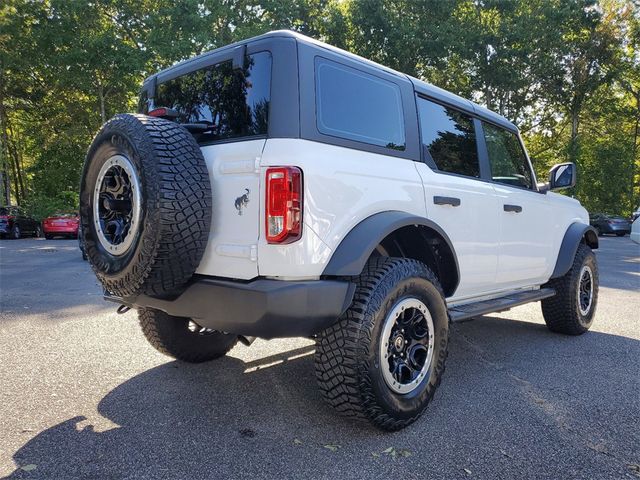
[
  {"x": 467, "y": 471},
  {"x": 297, "y": 442},
  {"x": 29, "y": 467},
  {"x": 333, "y": 448},
  {"x": 393, "y": 452}
]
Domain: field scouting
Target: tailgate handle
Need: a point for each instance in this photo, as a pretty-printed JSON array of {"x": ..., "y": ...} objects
[
  {"x": 453, "y": 201},
  {"x": 513, "y": 208}
]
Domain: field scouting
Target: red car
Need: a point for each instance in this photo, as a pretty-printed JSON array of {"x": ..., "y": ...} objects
[{"x": 64, "y": 224}]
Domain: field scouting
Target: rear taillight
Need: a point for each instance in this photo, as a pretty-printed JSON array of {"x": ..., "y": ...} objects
[{"x": 284, "y": 204}]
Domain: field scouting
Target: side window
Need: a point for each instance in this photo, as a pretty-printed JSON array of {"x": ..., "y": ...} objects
[
  {"x": 357, "y": 106},
  {"x": 448, "y": 139},
  {"x": 509, "y": 164}
]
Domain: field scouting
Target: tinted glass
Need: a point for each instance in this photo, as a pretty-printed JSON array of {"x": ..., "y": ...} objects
[
  {"x": 235, "y": 103},
  {"x": 509, "y": 164},
  {"x": 448, "y": 139},
  {"x": 357, "y": 106}
]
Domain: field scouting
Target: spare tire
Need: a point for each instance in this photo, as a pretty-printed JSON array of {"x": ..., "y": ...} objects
[{"x": 145, "y": 206}]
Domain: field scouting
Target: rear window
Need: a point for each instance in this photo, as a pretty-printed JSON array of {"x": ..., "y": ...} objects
[
  {"x": 234, "y": 102},
  {"x": 357, "y": 106}
]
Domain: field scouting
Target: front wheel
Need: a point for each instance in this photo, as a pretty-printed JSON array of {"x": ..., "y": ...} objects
[
  {"x": 15, "y": 232},
  {"x": 182, "y": 338},
  {"x": 572, "y": 308},
  {"x": 384, "y": 358},
  {"x": 38, "y": 232}
]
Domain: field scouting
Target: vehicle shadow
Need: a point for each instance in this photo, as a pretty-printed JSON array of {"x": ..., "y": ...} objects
[{"x": 230, "y": 419}]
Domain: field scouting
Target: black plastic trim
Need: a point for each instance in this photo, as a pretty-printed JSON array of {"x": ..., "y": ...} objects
[
  {"x": 263, "y": 308},
  {"x": 471, "y": 310},
  {"x": 572, "y": 238},
  {"x": 355, "y": 249}
]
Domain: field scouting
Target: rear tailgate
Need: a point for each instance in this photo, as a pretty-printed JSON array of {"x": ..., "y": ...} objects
[{"x": 235, "y": 226}]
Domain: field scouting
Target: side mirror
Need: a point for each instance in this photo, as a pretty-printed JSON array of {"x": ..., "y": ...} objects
[{"x": 562, "y": 175}]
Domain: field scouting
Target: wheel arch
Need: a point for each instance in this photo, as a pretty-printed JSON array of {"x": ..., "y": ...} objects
[
  {"x": 576, "y": 233},
  {"x": 400, "y": 234}
]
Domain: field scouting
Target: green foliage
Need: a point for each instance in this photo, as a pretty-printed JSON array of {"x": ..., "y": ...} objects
[{"x": 566, "y": 71}]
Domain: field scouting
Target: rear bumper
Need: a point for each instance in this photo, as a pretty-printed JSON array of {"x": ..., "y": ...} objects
[
  {"x": 260, "y": 308},
  {"x": 60, "y": 229},
  {"x": 617, "y": 229}
]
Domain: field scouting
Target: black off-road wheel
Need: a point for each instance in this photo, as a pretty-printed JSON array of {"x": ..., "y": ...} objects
[
  {"x": 384, "y": 358},
  {"x": 16, "y": 234},
  {"x": 145, "y": 206},
  {"x": 182, "y": 338},
  {"x": 572, "y": 308}
]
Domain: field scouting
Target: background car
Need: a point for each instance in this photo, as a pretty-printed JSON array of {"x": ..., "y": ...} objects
[
  {"x": 15, "y": 223},
  {"x": 61, "y": 224},
  {"x": 613, "y": 224}
]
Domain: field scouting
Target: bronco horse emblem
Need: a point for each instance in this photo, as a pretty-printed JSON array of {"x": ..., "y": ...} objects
[{"x": 242, "y": 201}]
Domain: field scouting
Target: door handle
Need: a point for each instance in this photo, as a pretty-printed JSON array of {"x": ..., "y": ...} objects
[
  {"x": 453, "y": 201},
  {"x": 513, "y": 208}
]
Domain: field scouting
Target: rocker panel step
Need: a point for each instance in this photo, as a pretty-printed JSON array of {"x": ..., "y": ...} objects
[{"x": 470, "y": 310}]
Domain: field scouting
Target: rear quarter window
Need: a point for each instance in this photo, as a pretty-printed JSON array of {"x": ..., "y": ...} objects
[{"x": 355, "y": 105}]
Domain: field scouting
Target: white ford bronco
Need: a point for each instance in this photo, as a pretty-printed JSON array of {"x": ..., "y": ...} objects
[{"x": 281, "y": 187}]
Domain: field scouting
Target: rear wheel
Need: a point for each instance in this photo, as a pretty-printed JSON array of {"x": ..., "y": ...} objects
[
  {"x": 572, "y": 308},
  {"x": 15, "y": 232},
  {"x": 384, "y": 358},
  {"x": 182, "y": 338},
  {"x": 48, "y": 236},
  {"x": 38, "y": 232}
]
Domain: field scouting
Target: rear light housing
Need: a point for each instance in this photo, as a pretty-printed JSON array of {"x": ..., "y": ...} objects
[{"x": 283, "y": 210}]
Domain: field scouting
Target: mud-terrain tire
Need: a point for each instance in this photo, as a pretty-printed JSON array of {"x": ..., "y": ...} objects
[
  {"x": 145, "y": 206},
  {"x": 350, "y": 359},
  {"x": 564, "y": 312},
  {"x": 182, "y": 339}
]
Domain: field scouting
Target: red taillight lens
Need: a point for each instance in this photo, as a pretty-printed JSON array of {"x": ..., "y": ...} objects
[
  {"x": 284, "y": 204},
  {"x": 158, "y": 112}
]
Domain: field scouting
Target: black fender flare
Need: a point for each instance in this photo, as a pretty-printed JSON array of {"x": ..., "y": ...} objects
[
  {"x": 572, "y": 238},
  {"x": 351, "y": 255}
]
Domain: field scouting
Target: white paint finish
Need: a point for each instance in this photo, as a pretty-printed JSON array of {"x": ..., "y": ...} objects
[
  {"x": 526, "y": 238},
  {"x": 497, "y": 251},
  {"x": 342, "y": 187},
  {"x": 472, "y": 227},
  {"x": 530, "y": 240},
  {"x": 231, "y": 251}
]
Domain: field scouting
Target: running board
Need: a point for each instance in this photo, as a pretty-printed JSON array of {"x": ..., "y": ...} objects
[{"x": 470, "y": 310}]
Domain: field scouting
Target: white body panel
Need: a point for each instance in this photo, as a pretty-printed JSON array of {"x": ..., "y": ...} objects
[
  {"x": 526, "y": 237},
  {"x": 232, "y": 250},
  {"x": 342, "y": 187},
  {"x": 496, "y": 251},
  {"x": 467, "y": 225}
]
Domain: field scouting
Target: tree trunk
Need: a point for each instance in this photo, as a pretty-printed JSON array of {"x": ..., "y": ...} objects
[
  {"x": 4, "y": 156},
  {"x": 103, "y": 113}
]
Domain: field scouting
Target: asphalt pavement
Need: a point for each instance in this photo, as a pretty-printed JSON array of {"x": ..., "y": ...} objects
[{"x": 82, "y": 394}]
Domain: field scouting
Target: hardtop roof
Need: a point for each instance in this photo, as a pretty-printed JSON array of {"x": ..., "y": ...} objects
[{"x": 436, "y": 93}]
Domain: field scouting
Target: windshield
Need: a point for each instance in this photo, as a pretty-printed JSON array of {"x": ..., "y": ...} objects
[{"x": 233, "y": 102}]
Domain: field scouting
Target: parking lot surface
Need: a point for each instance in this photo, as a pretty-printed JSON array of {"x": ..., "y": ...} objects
[{"x": 82, "y": 394}]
